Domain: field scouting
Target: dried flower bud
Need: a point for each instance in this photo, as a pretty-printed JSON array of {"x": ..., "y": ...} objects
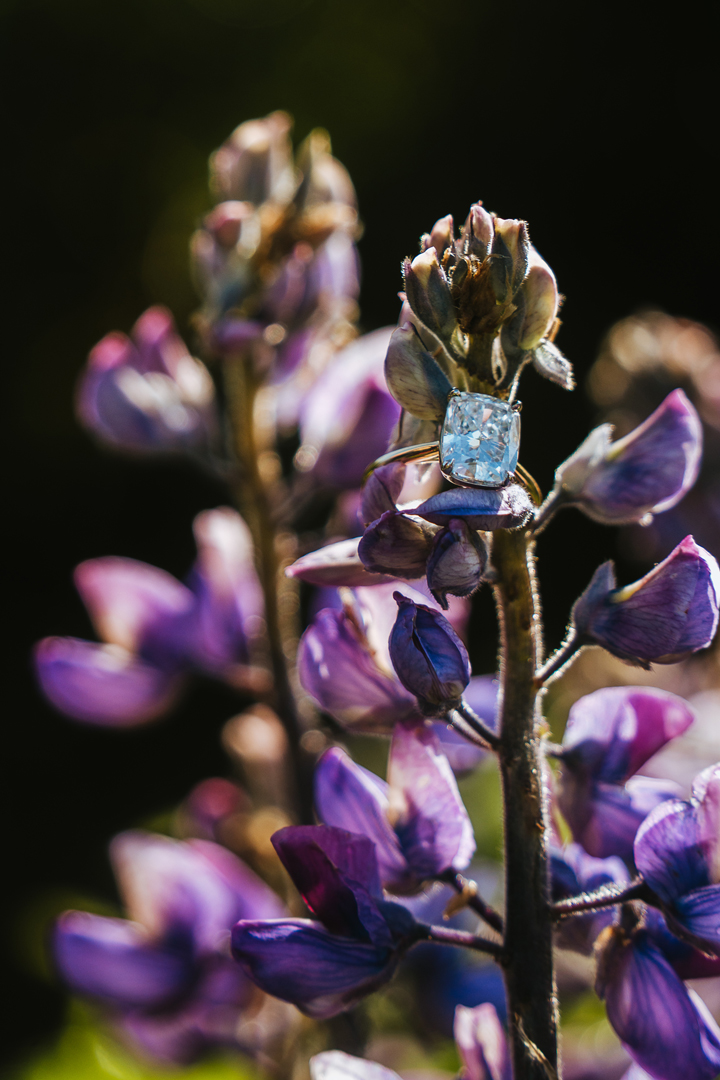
[
  {"x": 478, "y": 232},
  {"x": 549, "y": 362},
  {"x": 538, "y": 300},
  {"x": 510, "y": 258},
  {"x": 441, "y": 236},
  {"x": 414, "y": 378},
  {"x": 456, "y": 563}
]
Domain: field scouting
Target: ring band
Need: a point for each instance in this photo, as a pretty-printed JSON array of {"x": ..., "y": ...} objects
[{"x": 430, "y": 451}]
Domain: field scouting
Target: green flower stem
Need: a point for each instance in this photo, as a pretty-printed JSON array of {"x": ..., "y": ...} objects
[
  {"x": 528, "y": 956},
  {"x": 251, "y": 496}
]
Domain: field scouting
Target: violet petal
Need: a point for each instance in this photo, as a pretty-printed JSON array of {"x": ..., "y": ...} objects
[
  {"x": 479, "y": 508},
  {"x": 481, "y": 1043}
]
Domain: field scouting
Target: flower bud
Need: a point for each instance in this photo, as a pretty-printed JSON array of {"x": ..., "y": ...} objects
[
  {"x": 441, "y": 236},
  {"x": 414, "y": 378},
  {"x": 396, "y": 544},
  {"x": 664, "y": 617},
  {"x": 549, "y": 362},
  {"x": 456, "y": 563},
  {"x": 478, "y": 232},
  {"x": 510, "y": 257},
  {"x": 255, "y": 163},
  {"x": 428, "y": 294},
  {"x": 646, "y": 472},
  {"x": 538, "y": 299},
  {"x": 428, "y": 656}
]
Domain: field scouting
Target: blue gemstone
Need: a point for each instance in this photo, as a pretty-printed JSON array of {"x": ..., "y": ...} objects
[{"x": 480, "y": 440}]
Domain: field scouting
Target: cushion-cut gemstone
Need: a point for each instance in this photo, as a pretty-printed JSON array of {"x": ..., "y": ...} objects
[{"x": 480, "y": 439}]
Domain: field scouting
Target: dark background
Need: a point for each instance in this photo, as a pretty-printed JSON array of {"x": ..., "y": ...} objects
[{"x": 596, "y": 123}]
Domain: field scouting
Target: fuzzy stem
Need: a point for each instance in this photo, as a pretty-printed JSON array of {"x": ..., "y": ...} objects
[
  {"x": 554, "y": 502},
  {"x": 443, "y": 935},
  {"x": 474, "y": 722},
  {"x": 528, "y": 958},
  {"x": 559, "y": 659},
  {"x": 605, "y": 896},
  {"x": 251, "y": 496},
  {"x": 468, "y": 889}
]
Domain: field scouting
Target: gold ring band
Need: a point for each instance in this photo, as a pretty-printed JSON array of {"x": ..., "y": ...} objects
[{"x": 430, "y": 451}]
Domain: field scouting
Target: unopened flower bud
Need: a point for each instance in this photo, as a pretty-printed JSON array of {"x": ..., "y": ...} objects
[
  {"x": 414, "y": 378},
  {"x": 255, "y": 163},
  {"x": 646, "y": 472},
  {"x": 396, "y": 544},
  {"x": 428, "y": 294},
  {"x": 549, "y": 362},
  {"x": 478, "y": 232},
  {"x": 538, "y": 300},
  {"x": 456, "y": 563},
  {"x": 664, "y": 617},
  {"x": 510, "y": 258},
  {"x": 441, "y": 236},
  {"x": 428, "y": 656}
]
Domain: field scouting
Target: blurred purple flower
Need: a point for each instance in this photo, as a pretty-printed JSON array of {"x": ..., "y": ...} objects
[
  {"x": 336, "y": 1065},
  {"x": 325, "y": 967},
  {"x": 335, "y": 564},
  {"x": 665, "y": 1028},
  {"x": 344, "y": 663},
  {"x": 416, "y": 820},
  {"x": 573, "y": 871},
  {"x": 148, "y": 394},
  {"x": 664, "y": 617},
  {"x": 428, "y": 656},
  {"x": 348, "y": 415},
  {"x": 645, "y": 473},
  {"x": 677, "y": 851},
  {"x": 165, "y": 972},
  {"x": 481, "y": 1043},
  {"x": 609, "y": 735},
  {"x": 156, "y": 630}
]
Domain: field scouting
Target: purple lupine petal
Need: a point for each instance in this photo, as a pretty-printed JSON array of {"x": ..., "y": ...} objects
[
  {"x": 336, "y": 564},
  {"x": 605, "y": 818},
  {"x": 174, "y": 888},
  {"x": 115, "y": 960},
  {"x": 687, "y": 961},
  {"x": 381, "y": 491},
  {"x": 479, "y": 508},
  {"x": 396, "y": 545},
  {"x": 102, "y": 684},
  {"x": 662, "y": 618},
  {"x": 664, "y": 1028},
  {"x": 698, "y": 913},
  {"x": 336, "y": 873},
  {"x": 129, "y": 601},
  {"x": 428, "y": 656},
  {"x": 646, "y": 472},
  {"x": 352, "y": 798},
  {"x": 229, "y": 597},
  {"x": 335, "y": 1065},
  {"x": 298, "y": 960},
  {"x": 668, "y": 850},
  {"x": 481, "y": 1043},
  {"x": 341, "y": 674},
  {"x": 252, "y": 897},
  {"x": 612, "y": 732},
  {"x": 706, "y": 792},
  {"x": 429, "y": 817}
]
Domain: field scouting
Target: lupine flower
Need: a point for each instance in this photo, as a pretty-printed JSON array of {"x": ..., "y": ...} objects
[
  {"x": 344, "y": 663},
  {"x": 348, "y": 415},
  {"x": 573, "y": 871},
  {"x": 677, "y": 851},
  {"x": 645, "y": 473},
  {"x": 381, "y": 491},
  {"x": 481, "y": 1043},
  {"x": 479, "y": 508},
  {"x": 664, "y": 617},
  {"x": 416, "y": 820},
  {"x": 326, "y": 966},
  {"x": 396, "y": 544},
  {"x": 336, "y": 565},
  {"x": 147, "y": 393},
  {"x": 156, "y": 629},
  {"x": 609, "y": 735},
  {"x": 337, "y": 1065},
  {"x": 457, "y": 561},
  {"x": 165, "y": 972},
  {"x": 686, "y": 961},
  {"x": 665, "y": 1028},
  {"x": 428, "y": 656}
]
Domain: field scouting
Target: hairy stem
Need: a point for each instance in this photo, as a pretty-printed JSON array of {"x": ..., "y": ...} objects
[
  {"x": 559, "y": 659},
  {"x": 252, "y": 500},
  {"x": 605, "y": 896},
  {"x": 474, "y": 722},
  {"x": 528, "y": 959},
  {"x": 443, "y": 935},
  {"x": 471, "y": 897}
]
